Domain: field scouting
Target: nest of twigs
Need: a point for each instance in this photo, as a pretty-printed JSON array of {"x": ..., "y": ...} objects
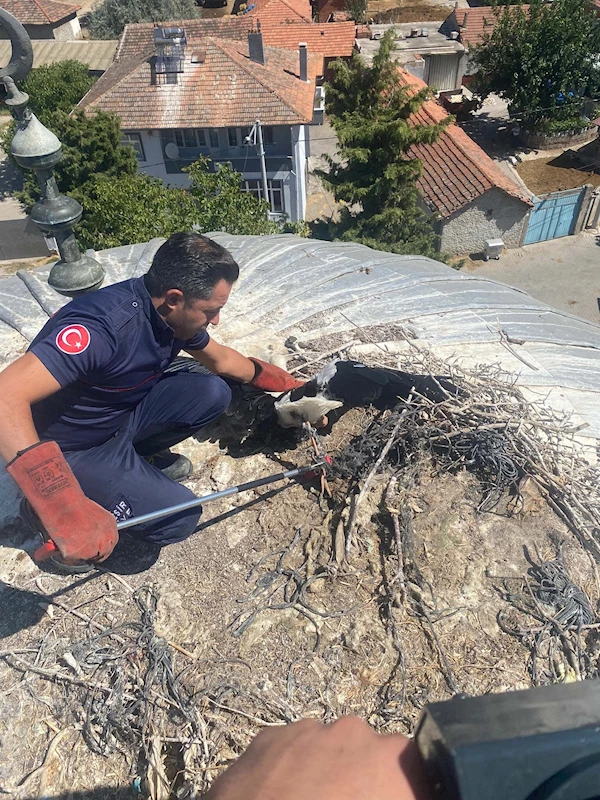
[{"x": 178, "y": 726}]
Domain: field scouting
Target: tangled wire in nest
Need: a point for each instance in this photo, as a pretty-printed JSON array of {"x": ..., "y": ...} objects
[
  {"x": 486, "y": 453},
  {"x": 563, "y": 611},
  {"x": 279, "y": 589}
]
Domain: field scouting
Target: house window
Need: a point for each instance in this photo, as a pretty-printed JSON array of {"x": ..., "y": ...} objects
[
  {"x": 268, "y": 134},
  {"x": 213, "y": 135},
  {"x": 201, "y": 138},
  {"x": 232, "y": 134},
  {"x": 275, "y": 189},
  {"x": 276, "y": 196},
  {"x": 245, "y": 133},
  {"x": 134, "y": 140},
  {"x": 252, "y": 187}
]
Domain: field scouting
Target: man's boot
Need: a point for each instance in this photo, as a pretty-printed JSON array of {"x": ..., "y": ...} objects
[{"x": 174, "y": 466}]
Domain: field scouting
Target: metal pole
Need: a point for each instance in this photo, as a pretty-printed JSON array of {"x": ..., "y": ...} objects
[
  {"x": 35, "y": 147},
  {"x": 263, "y": 163},
  {"x": 198, "y": 501}
]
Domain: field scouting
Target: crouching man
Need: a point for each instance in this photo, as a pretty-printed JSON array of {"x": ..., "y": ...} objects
[{"x": 87, "y": 415}]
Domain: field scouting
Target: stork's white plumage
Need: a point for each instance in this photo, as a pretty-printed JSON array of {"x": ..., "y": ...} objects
[{"x": 351, "y": 384}]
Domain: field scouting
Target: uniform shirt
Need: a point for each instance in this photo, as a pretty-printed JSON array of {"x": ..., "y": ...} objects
[{"x": 107, "y": 350}]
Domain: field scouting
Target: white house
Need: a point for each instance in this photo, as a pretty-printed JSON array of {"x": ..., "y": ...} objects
[{"x": 198, "y": 87}]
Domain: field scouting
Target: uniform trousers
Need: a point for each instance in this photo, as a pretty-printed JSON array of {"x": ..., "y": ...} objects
[{"x": 115, "y": 474}]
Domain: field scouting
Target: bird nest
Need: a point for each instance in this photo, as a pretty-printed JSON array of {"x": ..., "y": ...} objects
[{"x": 452, "y": 549}]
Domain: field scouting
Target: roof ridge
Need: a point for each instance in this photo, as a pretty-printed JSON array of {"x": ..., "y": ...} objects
[
  {"x": 244, "y": 66},
  {"x": 285, "y": 2},
  {"x": 487, "y": 167},
  {"x": 134, "y": 62},
  {"x": 43, "y": 10}
]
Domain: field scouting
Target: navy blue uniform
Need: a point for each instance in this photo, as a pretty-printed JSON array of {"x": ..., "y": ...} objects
[{"x": 108, "y": 350}]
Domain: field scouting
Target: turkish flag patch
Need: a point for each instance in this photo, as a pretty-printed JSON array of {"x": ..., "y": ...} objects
[{"x": 73, "y": 339}]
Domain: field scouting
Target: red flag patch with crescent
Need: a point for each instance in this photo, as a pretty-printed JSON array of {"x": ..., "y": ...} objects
[{"x": 73, "y": 339}]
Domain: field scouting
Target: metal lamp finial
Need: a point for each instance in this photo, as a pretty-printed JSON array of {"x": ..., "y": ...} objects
[{"x": 35, "y": 147}]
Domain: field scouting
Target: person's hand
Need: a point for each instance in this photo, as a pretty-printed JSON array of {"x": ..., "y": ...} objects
[
  {"x": 80, "y": 529},
  {"x": 310, "y": 761},
  {"x": 270, "y": 378}
]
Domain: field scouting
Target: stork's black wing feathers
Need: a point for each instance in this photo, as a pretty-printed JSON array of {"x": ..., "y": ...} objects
[{"x": 358, "y": 385}]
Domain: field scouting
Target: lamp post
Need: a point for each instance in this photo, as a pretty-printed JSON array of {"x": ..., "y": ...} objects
[{"x": 35, "y": 147}]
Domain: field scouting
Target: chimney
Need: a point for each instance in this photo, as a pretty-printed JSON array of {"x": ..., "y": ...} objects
[
  {"x": 303, "y": 50},
  {"x": 256, "y": 50}
]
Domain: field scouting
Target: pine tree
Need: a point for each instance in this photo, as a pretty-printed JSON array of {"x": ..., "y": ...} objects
[
  {"x": 108, "y": 19},
  {"x": 91, "y": 146},
  {"x": 372, "y": 175}
]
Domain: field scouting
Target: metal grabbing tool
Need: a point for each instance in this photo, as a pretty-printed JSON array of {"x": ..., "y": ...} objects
[{"x": 49, "y": 548}]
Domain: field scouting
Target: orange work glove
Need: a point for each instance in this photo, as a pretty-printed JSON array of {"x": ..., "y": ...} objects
[
  {"x": 270, "y": 378},
  {"x": 79, "y": 528}
]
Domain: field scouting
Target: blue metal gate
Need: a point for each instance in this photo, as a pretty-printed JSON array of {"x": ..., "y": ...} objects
[{"x": 554, "y": 215}]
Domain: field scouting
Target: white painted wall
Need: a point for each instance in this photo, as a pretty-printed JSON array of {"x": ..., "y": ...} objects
[
  {"x": 494, "y": 215},
  {"x": 294, "y": 185},
  {"x": 300, "y": 144},
  {"x": 68, "y": 30}
]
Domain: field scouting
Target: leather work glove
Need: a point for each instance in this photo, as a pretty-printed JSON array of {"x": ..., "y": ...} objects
[
  {"x": 270, "y": 378},
  {"x": 79, "y": 528}
]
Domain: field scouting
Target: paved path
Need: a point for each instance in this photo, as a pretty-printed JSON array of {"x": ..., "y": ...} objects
[
  {"x": 20, "y": 238},
  {"x": 565, "y": 273}
]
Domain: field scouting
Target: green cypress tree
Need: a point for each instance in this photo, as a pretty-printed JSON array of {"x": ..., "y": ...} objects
[{"x": 372, "y": 175}]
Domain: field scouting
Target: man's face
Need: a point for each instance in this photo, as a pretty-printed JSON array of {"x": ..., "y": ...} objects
[{"x": 187, "y": 318}]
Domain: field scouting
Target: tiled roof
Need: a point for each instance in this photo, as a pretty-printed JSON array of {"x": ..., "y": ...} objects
[
  {"x": 331, "y": 39},
  {"x": 475, "y": 23},
  {"x": 139, "y": 38},
  {"x": 455, "y": 170},
  {"x": 97, "y": 54},
  {"x": 276, "y": 11},
  {"x": 226, "y": 89},
  {"x": 39, "y": 12},
  {"x": 325, "y": 8}
]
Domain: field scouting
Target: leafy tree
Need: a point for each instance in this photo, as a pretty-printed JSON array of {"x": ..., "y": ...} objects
[
  {"x": 127, "y": 209},
  {"x": 91, "y": 146},
  {"x": 373, "y": 175},
  {"x": 222, "y": 206},
  {"x": 542, "y": 61},
  {"x": 357, "y": 9},
  {"x": 57, "y": 87},
  {"x": 108, "y": 19}
]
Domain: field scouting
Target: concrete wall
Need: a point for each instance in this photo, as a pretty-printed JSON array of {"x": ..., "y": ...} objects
[
  {"x": 494, "y": 215},
  {"x": 71, "y": 29}
]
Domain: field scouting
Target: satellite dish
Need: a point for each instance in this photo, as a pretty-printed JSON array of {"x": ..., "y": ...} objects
[{"x": 171, "y": 151}]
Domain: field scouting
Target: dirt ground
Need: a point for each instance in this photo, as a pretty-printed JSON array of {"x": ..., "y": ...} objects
[
  {"x": 554, "y": 174},
  {"x": 251, "y": 655},
  {"x": 383, "y": 11}
]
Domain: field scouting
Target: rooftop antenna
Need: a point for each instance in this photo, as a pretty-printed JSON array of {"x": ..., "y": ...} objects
[{"x": 35, "y": 147}]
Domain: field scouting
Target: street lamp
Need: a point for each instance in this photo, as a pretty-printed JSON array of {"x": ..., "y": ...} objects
[{"x": 35, "y": 147}]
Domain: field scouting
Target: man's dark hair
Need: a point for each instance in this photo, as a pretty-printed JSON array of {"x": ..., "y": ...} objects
[{"x": 191, "y": 263}]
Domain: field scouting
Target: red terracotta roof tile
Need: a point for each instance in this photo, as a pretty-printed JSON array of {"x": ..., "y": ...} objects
[
  {"x": 139, "y": 37},
  {"x": 455, "y": 170},
  {"x": 226, "y": 89},
  {"x": 331, "y": 39},
  {"x": 276, "y": 11},
  {"x": 39, "y": 12},
  {"x": 475, "y": 23}
]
